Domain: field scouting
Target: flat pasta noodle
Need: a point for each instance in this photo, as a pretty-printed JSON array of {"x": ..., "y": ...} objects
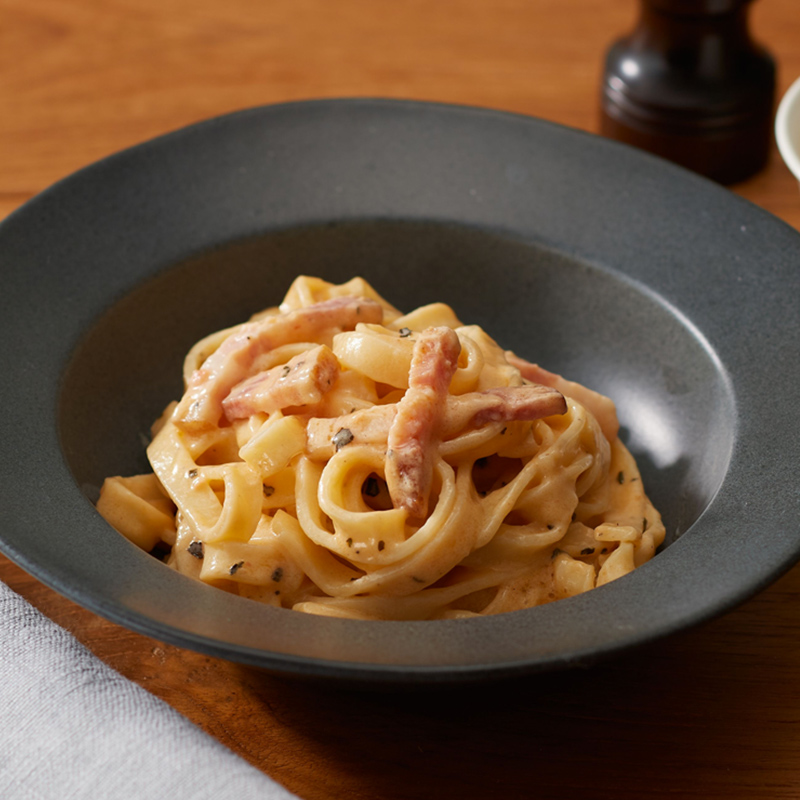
[{"x": 335, "y": 456}]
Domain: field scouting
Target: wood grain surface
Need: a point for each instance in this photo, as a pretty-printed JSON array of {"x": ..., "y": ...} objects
[{"x": 711, "y": 713}]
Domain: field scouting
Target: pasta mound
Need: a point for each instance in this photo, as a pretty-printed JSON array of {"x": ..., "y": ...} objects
[{"x": 335, "y": 456}]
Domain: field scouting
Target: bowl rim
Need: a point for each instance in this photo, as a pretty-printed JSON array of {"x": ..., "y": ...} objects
[{"x": 788, "y": 109}]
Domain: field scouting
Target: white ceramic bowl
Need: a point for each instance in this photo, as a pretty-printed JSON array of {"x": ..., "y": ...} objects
[{"x": 787, "y": 128}]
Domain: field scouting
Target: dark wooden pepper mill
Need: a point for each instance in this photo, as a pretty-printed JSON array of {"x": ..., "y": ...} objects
[{"x": 689, "y": 84}]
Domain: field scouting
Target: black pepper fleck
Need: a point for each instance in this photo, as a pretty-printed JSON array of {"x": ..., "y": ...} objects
[
  {"x": 621, "y": 477},
  {"x": 196, "y": 549},
  {"x": 342, "y": 438},
  {"x": 404, "y": 332},
  {"x": 277, "y": 574},
  {"x": 235, "y": 567},
  {"x": 381, "y": 544}
]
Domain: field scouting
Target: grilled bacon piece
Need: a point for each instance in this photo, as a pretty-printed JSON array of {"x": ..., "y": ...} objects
[
  {"x": 462, "y": 413},
  {"x": 201, "y": 405},
  {"x": 409, "y": 459},
  {"x": 599, "y": 406},
  {"x": 301, "y": 381}
]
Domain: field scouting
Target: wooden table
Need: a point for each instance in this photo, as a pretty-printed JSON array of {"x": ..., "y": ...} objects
[{"x": 711, "y": 713}]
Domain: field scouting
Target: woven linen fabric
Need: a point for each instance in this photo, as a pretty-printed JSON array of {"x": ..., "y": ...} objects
[{"x": 73, "y": 728}]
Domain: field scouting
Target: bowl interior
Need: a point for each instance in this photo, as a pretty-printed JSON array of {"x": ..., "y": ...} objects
[{"x": 588, "y": 323}]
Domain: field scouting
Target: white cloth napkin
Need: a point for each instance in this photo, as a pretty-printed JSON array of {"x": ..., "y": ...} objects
[{"x": 73, "y": 728}]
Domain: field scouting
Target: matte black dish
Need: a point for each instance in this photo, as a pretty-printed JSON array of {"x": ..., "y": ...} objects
[{"x": 648, "y": 283}]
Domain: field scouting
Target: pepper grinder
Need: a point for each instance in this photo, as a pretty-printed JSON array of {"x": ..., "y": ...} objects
[{"x": 689, "y": 84}]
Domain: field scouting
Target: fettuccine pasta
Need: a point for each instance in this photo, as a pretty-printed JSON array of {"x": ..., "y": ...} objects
[{"x": 335, "y": 456}]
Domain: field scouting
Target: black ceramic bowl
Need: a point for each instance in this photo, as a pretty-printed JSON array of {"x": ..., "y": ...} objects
[{"x": 658, "y": 288}]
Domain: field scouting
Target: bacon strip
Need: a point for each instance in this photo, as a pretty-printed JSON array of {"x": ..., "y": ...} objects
[
  {"x": 507, "y": 404},
  {"x": 302, "y": 381},
  {"x": 461, "y": 413},
  {"x": 602, "y": 408},
  {"x": 201, "y": 405},
  {"x": 409, "y": 459}
]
